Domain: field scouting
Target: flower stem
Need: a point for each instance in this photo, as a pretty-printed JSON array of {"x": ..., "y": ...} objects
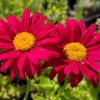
[
  {"x": 27, "y": 89},
  {"x": 62, "y": 88}
]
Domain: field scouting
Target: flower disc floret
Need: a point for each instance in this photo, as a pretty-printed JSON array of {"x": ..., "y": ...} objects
[
  {"x": 24, "y": 41},
  {"x": 75, "y": 51}
]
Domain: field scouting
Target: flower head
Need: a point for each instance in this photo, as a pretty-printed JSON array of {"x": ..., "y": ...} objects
[
  {"x": 25, "y": 42},
  {"x": 79, "y": 53}
]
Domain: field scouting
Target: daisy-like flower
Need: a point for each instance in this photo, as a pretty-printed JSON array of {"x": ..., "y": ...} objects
[
  {"x": 79, "y": 53},
  {"x": 25, "y": 43}
]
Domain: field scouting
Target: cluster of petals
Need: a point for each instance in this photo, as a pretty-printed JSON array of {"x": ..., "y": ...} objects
[
  {"x": 26, "y": 62},
  {"x": 75, "y": 32}
]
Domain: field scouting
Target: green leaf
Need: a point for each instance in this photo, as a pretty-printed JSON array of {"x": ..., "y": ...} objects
[{"x": 45, "y": 84}]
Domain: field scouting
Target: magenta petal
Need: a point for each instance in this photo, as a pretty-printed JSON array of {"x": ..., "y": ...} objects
[
  {"x": 4, "y": 26},
  {"x": 61, "y": 76},
  {"x": 44, "y": 29},
  {"x": 12, "y": 33},
  {"x": 13, "y": 69},
  {"x": 88, "y": 34},
  {"x": 48, "y": 41},
  {"x": 15, "y": 23},
  {"x": 44, "y": 52},
  {"x": 73, "y": 29},
  {"x": 91, "y": 75},
  {"x": 57, "y": 68},
  {"x": 33, "y": 58},
  {"x": 5, "y": 65},
  {"x": 34, "y": 19},
  {"x": 62, "y": 33},
  {"x": 94, "y": 41},
  {"x": 6, "y": 45},
  {"x": 94, "y": 65},
  {"x": 21, "y": 74},
  {"x": 37, "y": 69},
  {"x": 75, "y": 79},
  {"x": 95, "y": 79},
  {"x": 26, "y": 20},
  {"x": 4, "y": 36},
  {"x": 94, "y": 52},
  {"x": 29, "y": 69},
  {"x": 87, "y": 71},
  {"x": 9, "y": 54},
  {"x": 52, "y": 74},
  {"x": 93, "y": 47},
  {"x": 35, "y": 61},
  {"x": 94, "y": 57},
  {"x": 76, "y": 68},
  {"x": 51, "y": 62},
  {"x": 69, "y": 68},
  {"x": 51, "y": 50},
  {"x": 21, "y": 61},
  {"x": 40, "y": 54},
  {"x": 81, "y": 69},
  {"x": 48, "y": 33},
  {"x": 82, "y": 25},
  {"x": 12, "y": 73},
  {"x": 38, "y": 25}
]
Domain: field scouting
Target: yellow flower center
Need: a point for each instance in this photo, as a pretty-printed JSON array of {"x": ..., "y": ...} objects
[
  {"x": 24, "y": 41},
  {"x": 75, "y": 51}
]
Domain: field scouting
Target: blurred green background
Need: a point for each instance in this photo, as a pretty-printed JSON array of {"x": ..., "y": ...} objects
[{"x": 41, "y": 87}]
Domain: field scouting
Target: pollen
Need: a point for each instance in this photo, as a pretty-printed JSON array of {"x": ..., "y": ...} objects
[
  {"x": 24, "y": 41},
  {"x": 75, "y": 51}
]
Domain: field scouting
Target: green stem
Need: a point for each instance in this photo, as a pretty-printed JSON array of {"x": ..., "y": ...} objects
[
  {"x": 27, "y": 89},
  {"x": 62, "y": 88}
]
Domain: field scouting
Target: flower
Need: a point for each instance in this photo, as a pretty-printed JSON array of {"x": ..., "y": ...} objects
[
  {"x": 79, "y": 53},
  {"x": 25, "y": 43}
]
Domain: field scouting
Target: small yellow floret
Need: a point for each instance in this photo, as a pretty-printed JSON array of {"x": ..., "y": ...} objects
[
  {"x": 24, "y": 41},
  {"x": 75, "y": 51}
]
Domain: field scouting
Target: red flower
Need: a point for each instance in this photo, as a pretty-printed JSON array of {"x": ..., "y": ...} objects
[
  {"x": 25, "y": 43},
  {"x": 79, "y": 53}
]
